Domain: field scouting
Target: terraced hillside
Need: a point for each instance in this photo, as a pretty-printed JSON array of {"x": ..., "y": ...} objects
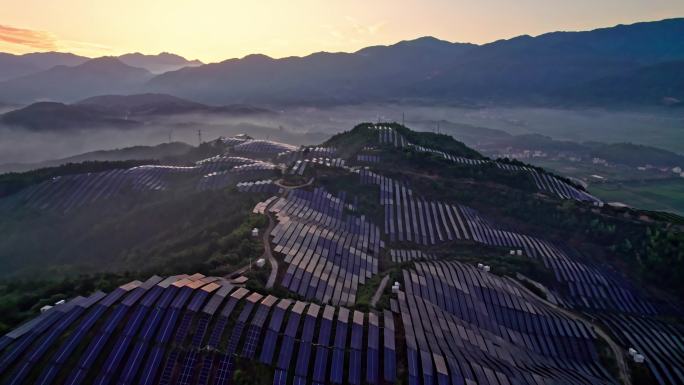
[{"x": 390, "y": 256}]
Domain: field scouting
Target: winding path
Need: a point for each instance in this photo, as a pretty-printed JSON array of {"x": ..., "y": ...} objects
[
  {"x": 268, "y": 254},
  {"x": 618, "y": 353},
  {"x": 380, "y": 290}
]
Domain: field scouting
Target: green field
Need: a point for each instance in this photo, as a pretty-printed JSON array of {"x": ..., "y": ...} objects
[{"x": 660, "y": 194}]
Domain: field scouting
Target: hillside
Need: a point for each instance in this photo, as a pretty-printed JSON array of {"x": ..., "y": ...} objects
[
  {"x": 160, "y": 151},
  {"x": 161, "y": 104},
  {"x": 494, "y": 256},
  {"x": 50, "y": 116}
]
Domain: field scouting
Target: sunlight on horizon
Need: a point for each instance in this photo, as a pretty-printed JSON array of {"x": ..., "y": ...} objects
[{"x": 214, "y": 30}]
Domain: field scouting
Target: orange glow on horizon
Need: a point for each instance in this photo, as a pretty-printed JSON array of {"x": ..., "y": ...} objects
[{"x": 215, "y": 30}]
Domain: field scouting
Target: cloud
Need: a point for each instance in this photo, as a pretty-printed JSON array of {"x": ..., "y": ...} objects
[{"x": 28, "y": 38}]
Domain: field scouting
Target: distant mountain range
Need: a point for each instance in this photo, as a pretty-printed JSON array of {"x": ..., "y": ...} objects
[
  {"x": 638, "y": 64},
  {"x": 114, "y": 111},
  {"x": 14, "y": 66}
]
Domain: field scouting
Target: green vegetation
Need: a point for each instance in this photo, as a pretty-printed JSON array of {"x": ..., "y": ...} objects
[
  {"x": 22, "y": 299},
  {"x": 13, "y": 182},
  {"x": 655, "y": 194},
  {"x": 635, "y": 155},
  {"x": 170, "y": 231},
  {"x": 351, "y": 142}
]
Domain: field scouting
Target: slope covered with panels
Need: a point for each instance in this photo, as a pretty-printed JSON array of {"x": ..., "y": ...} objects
[
  {"x": 328, "y": 253},
  {"x": 195, "y": 330},
  {"x": 463, "y": 325}
]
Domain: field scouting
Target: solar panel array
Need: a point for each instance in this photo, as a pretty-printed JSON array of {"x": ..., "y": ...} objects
[
  {"x": 192, "y": 330},
  {"x": 404, "y": 255},
  {"x": 463, "y": 325},
  {"x": 262, "y": 186},
  {"x": 411, "y": 218},
  {"x": 263, "y": 147},
  {"x": 364, "y": 158},
  {"x": 662, "y": 344},
  {"x": 243, "y": 172},
  {"x": 328, "y": 253},
  {"x": 67, "y": 192},
  {"x": 320, "y": 151},
  {"x": 543, "y": 181}
]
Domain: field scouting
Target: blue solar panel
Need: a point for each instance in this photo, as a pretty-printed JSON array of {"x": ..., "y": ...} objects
[
  {"x": 337, "y": 366},
  {"x": 188, "y": 367},
  {"x": 165, "y": 331},
  {"x": 280, "y": 377},
  {"x": 372, "y": 360},
  {"x": 354, "y": 367},
  {"x": 130, "y": 369},
  {"x": 286, "y": 348},
  {"x": 200, "y": 331},
  {"x": 203, "y": 378},
  {"x": 224, "y": 370},
  {"x": 268, "y": 349},
  {"x": 151, "y": 366},
  {"x": 165, "y": 378},
  {"x": 390, "y": 365}
]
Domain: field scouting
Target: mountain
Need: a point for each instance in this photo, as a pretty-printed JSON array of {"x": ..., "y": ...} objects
[
  {"x": 58, "y": 116},
  {"x": 160, "y": 104},
  {"x": 65, "y": 84},
  {"x": 524, "y": 69},
  {"x": 368, "y": 74},
  {"x": 661, "y": 83},
  {"x": 529, "y": 68},
  {"x": 12, "y": 66},
  {"x": 157, "y": 64}
]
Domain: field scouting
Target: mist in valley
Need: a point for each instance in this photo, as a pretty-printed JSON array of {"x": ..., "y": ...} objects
[{"x": 313, "y": 125}]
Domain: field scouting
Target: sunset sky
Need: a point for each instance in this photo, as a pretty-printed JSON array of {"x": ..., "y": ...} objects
[{"x": 214, "y": 30}]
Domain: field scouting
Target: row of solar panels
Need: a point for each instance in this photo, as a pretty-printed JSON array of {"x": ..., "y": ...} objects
[
  {"x": 410, "y": 218},
  {"x": 544, "y": 181},
  {"x": 661, "y": 343},
  {"x": 403, "y": 255},
  {"x": 328, "y": 253},
  {"x": 191, "y": 330},
  {"x": 589, "y": 286},
  {"x": 368, "y": 158},
  {"x": 463, "y": 325},
  {"x": 68, "y": 192}
]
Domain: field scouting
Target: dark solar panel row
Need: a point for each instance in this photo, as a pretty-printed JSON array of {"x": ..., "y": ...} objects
[
  {"x": 462, "y": 323},
  {"x": 543, "y": 180},
  {"x": 161, "y": 332},
  {"x": 589, "y": 286},
  {"x": 329, "y": 254},
  {"x": 661, "y": 344},
  {"x": 410, "y": 218}
]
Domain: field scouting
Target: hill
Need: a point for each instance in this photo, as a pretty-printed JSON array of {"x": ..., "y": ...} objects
[
  {"x": 485, "y": 258},
  {"x": 161, "y": 104},
  {"x": 50, "y": 116},
  {"x": 160, "y": 151},
  {"x": 65, "y": 84}
]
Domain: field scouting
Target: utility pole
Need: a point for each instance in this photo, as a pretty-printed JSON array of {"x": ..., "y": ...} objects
[
  {"x": 199, "y": 137},
  {"x": 403, "y": 119},
  {"x": 170, "y": 135}
]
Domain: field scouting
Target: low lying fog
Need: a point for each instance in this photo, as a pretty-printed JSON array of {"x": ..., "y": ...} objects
[{"x": 659, "y": 128}]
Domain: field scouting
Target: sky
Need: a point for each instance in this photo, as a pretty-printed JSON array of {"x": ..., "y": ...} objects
[{"x": 215, "y": 30}]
